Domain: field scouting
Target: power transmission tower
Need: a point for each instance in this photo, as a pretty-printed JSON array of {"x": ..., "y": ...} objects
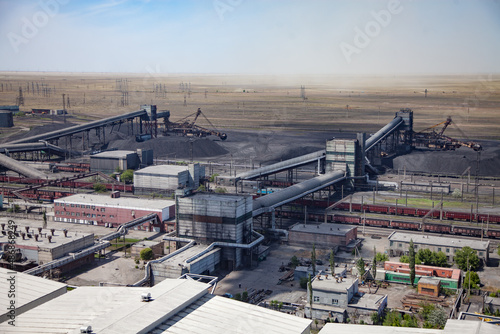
[
  {"x": 64, "y": 108},
  {"x": 20, "y": 98},
  {"x": 303, "y": 92},
  {"x": 185, "y": 104}
]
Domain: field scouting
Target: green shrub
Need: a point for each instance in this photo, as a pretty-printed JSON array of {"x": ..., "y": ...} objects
[{"x": 146, "y": 254}]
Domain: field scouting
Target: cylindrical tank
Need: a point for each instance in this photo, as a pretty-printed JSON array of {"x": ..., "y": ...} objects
[{"x": 6, "y": 119}]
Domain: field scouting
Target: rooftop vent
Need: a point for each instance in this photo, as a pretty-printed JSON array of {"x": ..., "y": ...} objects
[
  {"x": 146, "y": 296},
  {"x": 50, "y": 238},
  {"x": 86, "y": 329},
  {"x": 3, "y": 227},
  {"x": 52, "y": 230},
  {"x": 36, "y": 237},
  {"x": 23, "y": 235},
  {"x": 40, "y": 230},
  {"x": 65, "y": 231}
]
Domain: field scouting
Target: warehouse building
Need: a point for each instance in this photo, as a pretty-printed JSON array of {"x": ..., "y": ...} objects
[
  {"x": 32, "y": 292},
  {"x": 110, "y": 161},
  {"x": 399, "y": 243},
  {"x": 39, "y": 246},
  {"x": 326, "y": 235},
  {"x": 111, "y": 212},
  {"x": 172, "y": 306},
  {"x": 164, "y": 179}
]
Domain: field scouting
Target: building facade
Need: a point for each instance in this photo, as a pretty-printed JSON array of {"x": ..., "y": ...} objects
[
  {"x": 399, "y": 243},
  {"x": 326, "y": 235},
  {"x": 164, "y": 179},
  {"x": 112, "y": 212}
]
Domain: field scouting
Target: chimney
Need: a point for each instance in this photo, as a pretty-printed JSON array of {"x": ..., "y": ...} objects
[
  {"x": 3, "y": 227},
  {"x": 27, "y": 229},
  {"x": 23, "y": 235},
  {"x": 50, "y": 238},
  {"x": 65, "y": 231},
  {"x": 40, "y": 230},
  {"x": 36, "y": 237},
  {"x": 52, "y": 230}
]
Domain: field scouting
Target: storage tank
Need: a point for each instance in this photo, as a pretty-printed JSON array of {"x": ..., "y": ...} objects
[{"x": 6, "y": 119}]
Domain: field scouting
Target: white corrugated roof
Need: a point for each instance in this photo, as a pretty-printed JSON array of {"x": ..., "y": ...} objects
[
  {"x": 121, "y": 202},
  {"x": 28, "y": 289},
  {"x": 181, "y": 304},
  {"x": 161, "y": 170},
  {"x": 425, "y": 239},
  {"x": 215, "y": 314}
]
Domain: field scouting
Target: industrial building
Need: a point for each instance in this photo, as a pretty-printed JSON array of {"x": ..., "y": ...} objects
[
  {"x": 172, "y": 306},
  {"x": 336, "y": 297},
  {"x": 429, "y": 286},
  {"x": 6, "y": 119},
  {"x": 42, "y": 246},
  {"x": 164, "y": 179},
  {"x": 158, "y": 248},
  {"x": 399, "y": 243},
  {"x": 326, "y": 235},
  {"x": 110, "y": 161},
  {"x": 32, "y": 292},
  {"x": 107, "y": 211},
  {"x": 209, "y": 218},
  {"x": 399, "y": 272}
]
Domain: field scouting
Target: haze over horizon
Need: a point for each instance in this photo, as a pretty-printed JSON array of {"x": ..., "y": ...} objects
[{"x": 251, "y": 37}]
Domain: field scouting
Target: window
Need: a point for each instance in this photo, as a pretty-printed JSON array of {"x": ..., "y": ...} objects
[
  {"x": 316, "y": 299},
  {"x": 78, "y": 214},
  {"x": 78, "y": 205},
  {"x": 72, "y": 205},
  {"x": 400, "y": 245},
  {"x": 72, "y": 213},
  {"x": 93, "y": 215},
  {"x": 103, "y": 210},
  {"x": 111, "y": 216},
  {"x": 447, "y": 250},
  {"x": 88, "y": 206},
  {"x": 56, "y": 204},
  {"x": 335, "y": 301},
  {"x": 103, "y": 216},
  {"x": 392, "y": 242},
  {"x": 67, "y": 213},
  {"x": 480, "y": 253},
  {"x": 439, "y": 249}
]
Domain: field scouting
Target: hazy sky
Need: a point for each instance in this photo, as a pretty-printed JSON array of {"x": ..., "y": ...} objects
[{"x": 251, "y": 36}]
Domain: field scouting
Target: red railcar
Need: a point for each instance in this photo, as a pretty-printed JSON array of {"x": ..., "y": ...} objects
[
  {"x": 493, "y": 233},
  {"x": 438, "y": 228},
  {"x": 405, "y": 225},
  {"x": 346, "y": 219},
  {"x": 376, "y": 208},
  {"x": 376, "y": 222},
  {"x": 455, "y": 215},
  {"x": 464, "y": 230}
]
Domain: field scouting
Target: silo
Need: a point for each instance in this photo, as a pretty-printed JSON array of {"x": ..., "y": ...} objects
[{"x": 6, "y": 119}]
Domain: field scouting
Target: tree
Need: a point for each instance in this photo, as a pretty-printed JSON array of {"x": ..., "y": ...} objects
[
  {"x": 313, "y": 259},
  {"x": 310, "y": 288},
  {"x": 332, "y": 262},
  {"x": 146, "y": 254},
  {"x": 221, "y": 190},
  {"x": 127, "y": 176},
  {"x": 404, "y": 259},
  {"x": 294, "y": 261},
  {"x": 412, "y": 263},
  {"x": 439, "y": 259},
  {"x": 498, "y": 250},
  {"x": 381, "y": 257},
  {"x": 474, "y": 280},
  {"x": 244, "y": 296},
  {"x": 360, "y": 265},
  {"x": 44, "y": 219},
  {"x": 303, "y": 282},
  {"x": 436, "y": 318},
  {"x": 465, "y": 253},
  {"x": 99, "y": 187},
  {"x": 374, "y": 267},
  {"x": 424, "y": 256}
]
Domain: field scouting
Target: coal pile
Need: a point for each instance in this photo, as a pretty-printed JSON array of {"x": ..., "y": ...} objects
[
  {"x": 171, "y": 147},
  {"x": 452, "y": 162}
]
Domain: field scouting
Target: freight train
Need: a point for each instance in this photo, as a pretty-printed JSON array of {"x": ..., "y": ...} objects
[
  {"x": 404, "y": 211},
  {"x": 395, "y": 224}
]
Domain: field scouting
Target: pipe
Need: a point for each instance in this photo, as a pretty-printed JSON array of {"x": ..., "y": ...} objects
[
  {"x": 382, "y": 133},
  {"x": 259, "y": 239}
]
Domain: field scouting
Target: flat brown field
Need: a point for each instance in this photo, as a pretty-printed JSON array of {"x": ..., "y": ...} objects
[{"x": 334, "y": 103}]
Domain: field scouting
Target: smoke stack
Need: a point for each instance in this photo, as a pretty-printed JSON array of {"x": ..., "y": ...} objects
[
  {"x": 40, "y": 230},
  {"x": 23, "y": 235},
  {"x": 52, "y": 230},
  {"x": 36, "y": 237},
  {"x": 50, "y": 238},
  {"x": 27, "y": 229},
  {"x": 65, "y": 231}
]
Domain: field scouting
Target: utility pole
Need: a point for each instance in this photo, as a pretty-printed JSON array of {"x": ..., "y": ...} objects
[{"x": 64, "y": 107}]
